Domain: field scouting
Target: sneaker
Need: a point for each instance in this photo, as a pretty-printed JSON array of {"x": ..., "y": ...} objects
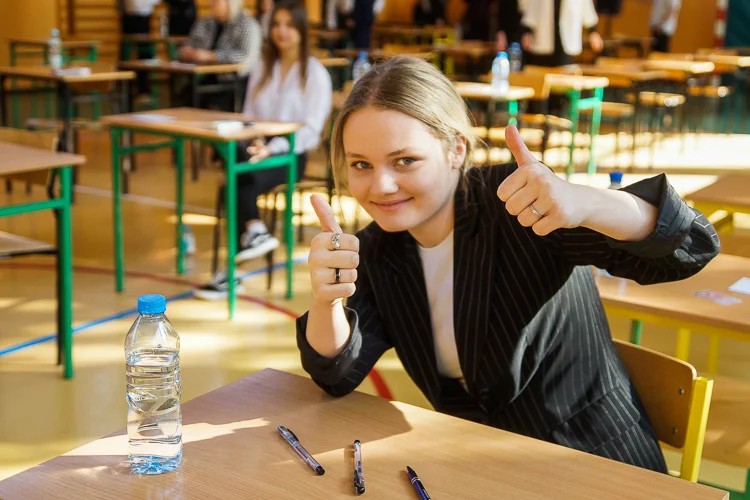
[
  {"x": 218, "y": 287},
  {"x": 254, "y": 245}
]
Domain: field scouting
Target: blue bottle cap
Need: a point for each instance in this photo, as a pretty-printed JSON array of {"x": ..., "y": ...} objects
[
  {"x": 502, "y": 55},
  {"x": 363, "y": 55},
  {"x": 152, "y": 304},
  {"x": 515, "y": 46},
  {"x": 615, "y": 177}
]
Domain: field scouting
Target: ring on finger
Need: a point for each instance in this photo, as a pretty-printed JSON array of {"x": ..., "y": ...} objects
[
  {"x": 533, "y": 211},
  {"x": 337, "y": 275},
  {"x": 336, "y": 241}
]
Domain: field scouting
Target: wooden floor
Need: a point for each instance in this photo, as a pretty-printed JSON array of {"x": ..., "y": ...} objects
[{"x": 42, "y": 415}]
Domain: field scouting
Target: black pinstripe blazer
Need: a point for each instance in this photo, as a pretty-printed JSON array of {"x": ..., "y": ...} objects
[{"x": 532, "y": 336}]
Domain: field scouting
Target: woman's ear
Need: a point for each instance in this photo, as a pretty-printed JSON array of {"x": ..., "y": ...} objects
[{"x": 457, "y": 154}]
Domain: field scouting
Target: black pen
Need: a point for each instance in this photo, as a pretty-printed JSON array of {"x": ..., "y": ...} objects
[
  {"x": 290, "y": 438},
  {"x": 359, "y": 477},
  {"x": 417, "y": 483}
]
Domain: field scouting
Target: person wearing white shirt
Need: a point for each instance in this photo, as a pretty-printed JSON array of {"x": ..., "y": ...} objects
[
  {"x": 358, "y": 17},
  {"x": 553, "y": 30},
  {"x": 288, "y": 85},
  {"x": 664, "y": 14}
]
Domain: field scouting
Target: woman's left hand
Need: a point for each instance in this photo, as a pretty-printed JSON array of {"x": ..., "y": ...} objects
[
  {"x": 258, "y": 150},
  {"x": 539, "y": 198},
  {"x": 596, "y": 41}
]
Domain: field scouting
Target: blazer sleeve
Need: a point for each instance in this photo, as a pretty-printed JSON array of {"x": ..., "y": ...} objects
[
  {"x": 682, "y": 243},
  {"x": 243, "y": 46},
  {"x": 200, "y": 34},
  {"x": 368, "y": 341}
]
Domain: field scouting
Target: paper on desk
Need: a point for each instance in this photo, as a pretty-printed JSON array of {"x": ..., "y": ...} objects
[
  {"x": 742, "y": 286},
  {"x": 153, "y": 118}
]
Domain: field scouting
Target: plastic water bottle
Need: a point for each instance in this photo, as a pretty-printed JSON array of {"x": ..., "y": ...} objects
[
  {"x": 361, "y": 66},
  {"x": 152, "y": 354},
  {"x": 188, "y": 240},
  {"x": 164, "y": 26},
  {"x": 54, "y": 52},
  {"x": 515, "y": 55},
  {"x": 500, "y": 73},
  {"x": 615, "y": 180}
]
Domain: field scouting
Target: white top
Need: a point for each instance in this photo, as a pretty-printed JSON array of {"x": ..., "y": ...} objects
[
  {"x": 288, "y": 101},
  {"x": 345, "y": 7},
  {"x": 575, "y": 15},
  {"x": 664, "y": 14},
  {"x": 437, "y": 264},
  {"x": 141, "y": 7}
]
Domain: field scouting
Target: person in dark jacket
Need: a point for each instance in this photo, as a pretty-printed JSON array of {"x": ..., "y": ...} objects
[
  {"x": 429, "y": 13},
  {"x": 182, "y": 14},
  {"x": 481, "y": 278}
]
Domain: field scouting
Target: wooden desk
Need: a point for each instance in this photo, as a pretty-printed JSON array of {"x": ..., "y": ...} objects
[
  {"x": 334, "y": 62},
  {"x": 689, "y": 68},
  {"x": 233, "y": 450},
  {"x": 99, "y": 73},
  {"x": 675, "y": 305},
  {"x": 382, "y": 55},
  {"x": 472, "y": 91},
  {"x": 16, "y": 159},
  {"x": 625, "y": 72},
  {"x": 179, "y": 124},
  {"x": 730, "y": 193}
]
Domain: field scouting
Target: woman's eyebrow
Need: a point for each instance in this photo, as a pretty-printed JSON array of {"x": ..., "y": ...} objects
[{"x": 394, "y": 153}]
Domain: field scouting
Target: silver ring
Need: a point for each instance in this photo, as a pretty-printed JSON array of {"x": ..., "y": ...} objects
[
  {"x": 336, "y": 241},
  {"x": 533, "y": 211},
  {"x": 337, "y": 275}
]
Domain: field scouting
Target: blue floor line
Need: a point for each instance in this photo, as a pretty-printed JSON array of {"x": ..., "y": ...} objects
[{"x": 129, "y": 312}]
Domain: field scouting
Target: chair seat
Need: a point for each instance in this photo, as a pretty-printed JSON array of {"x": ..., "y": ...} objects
[
  {"x": 613, "y": 110},
  {"x": 551, "y": 120},
  {"x": 714, "y": 92},
  {"x": 12, "y": 245},
  {"x": 52, "y": 124},
  {"x": 660, "y": 99}
]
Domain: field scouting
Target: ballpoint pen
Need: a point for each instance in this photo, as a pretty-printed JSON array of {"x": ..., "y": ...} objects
[
  {"x": 417, "y": 483},
  {"x": 359, "y": 477},
  {"x": 290, "y": 438}
]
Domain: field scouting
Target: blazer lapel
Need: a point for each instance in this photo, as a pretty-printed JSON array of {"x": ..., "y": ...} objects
[{"x": 473, "y": 247}]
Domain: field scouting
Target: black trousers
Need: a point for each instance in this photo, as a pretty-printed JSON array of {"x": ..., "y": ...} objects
[
  {"x": 138, "y": 25},
  {"x": 660, "y": 42},
  {"x": 254, "y": 184}
]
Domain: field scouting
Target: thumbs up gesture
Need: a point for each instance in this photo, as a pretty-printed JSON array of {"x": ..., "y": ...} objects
[
  {"x": 539, "y": 198},
  {"x": 334, "y": 257}
]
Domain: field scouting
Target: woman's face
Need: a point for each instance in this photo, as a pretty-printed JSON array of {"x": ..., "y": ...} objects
[
  {"x": 283, "y": 33},
  {"x": 398, "y": 170},
  {"x": 220, "y": 9}
]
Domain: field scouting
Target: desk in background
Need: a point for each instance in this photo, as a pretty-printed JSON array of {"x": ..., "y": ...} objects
[
  {"x": 233, "y": 451},
  {"x": 730, "y": 193}
]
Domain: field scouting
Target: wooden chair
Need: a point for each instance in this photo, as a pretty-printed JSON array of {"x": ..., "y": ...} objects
[{"x": 676, "y": 401}]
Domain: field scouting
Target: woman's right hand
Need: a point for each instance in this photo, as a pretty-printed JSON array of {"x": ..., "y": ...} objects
[
  {"x": 527, "y": 41},
  {"x": 324, "y": 260}
]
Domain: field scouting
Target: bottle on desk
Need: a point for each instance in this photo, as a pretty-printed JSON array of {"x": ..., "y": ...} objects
[
  {"x": 615, "y": 180},
  {"x": 361, "y": 66},
  {"x": 515, "y": 55},
  {"x": 152, "y": 354},
  {"x": 500, "y": 74},
  {"x": 164, "y": 26},
  {"x": 54, "y": 50}
]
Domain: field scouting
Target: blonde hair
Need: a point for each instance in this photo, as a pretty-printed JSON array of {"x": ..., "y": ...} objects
[
  {"x": 236, "y": 8},
  {"x": 413, "y": 87}
]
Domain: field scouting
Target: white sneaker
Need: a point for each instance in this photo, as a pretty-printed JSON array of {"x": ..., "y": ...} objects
[
  {"x": 218, "y": 287},
  {"x": 255, "y": 245}
]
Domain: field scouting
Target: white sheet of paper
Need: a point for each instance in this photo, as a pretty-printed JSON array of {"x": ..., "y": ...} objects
[
  {"x": 742, "y": 286},
  {"x": 153, "y": 118}
]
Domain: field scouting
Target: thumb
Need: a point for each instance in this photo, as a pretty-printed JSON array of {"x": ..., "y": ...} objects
[
  {"x": 325, "y": 214},
  {"x": 516, "y": 145}
]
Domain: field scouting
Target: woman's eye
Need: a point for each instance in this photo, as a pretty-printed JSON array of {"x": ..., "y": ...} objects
[
  {"x": 405, "y": 161},
  {"x": 360, "y": 165}
]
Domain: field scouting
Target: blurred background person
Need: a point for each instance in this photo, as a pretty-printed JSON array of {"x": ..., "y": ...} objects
[{"x": 182, "y": 14}]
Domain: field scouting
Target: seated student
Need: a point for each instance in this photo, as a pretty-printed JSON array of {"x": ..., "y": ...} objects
[
  {"x": 429, "y": 12},
  {"x": 481, "y": 278},
  {"x": 289, "y": 85},
  {"x": 229, "y": 36}
]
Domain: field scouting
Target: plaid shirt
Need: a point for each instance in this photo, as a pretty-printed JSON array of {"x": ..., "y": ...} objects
[{"x": 240, "y": 41}]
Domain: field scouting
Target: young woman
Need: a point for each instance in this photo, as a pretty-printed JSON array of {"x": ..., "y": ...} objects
[
  {"x": 481, "y": 278},
  {"x": 289, "y": 86}
]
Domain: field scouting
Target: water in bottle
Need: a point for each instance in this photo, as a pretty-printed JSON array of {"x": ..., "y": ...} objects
[
  {"x": 615, "y": 180},
  {"x": 361, "y": 66},
  {"x": 188, "y": 240},
  {"x": 500, "y": 73},
  {"x": 54, "y": 50},
  {"x": 164, "y": 26},
  {"x": 152, "y": 354},
  {"x": 515, "y": 55}
]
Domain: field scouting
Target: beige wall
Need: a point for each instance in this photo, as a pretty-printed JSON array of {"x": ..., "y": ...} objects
[{"x": 25, "y": 19}]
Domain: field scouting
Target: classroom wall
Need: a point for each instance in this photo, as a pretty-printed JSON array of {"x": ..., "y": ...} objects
[{"x": 27, "y": 19}]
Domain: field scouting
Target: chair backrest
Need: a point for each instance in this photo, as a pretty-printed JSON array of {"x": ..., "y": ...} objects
[
  {"x": 671, "y": 56},
  {"x": 723, "y": 51},
  {"x": 537, "y": 81},
  {"x": 676, "y": 400},
  {"x": 43, "y": 139}
]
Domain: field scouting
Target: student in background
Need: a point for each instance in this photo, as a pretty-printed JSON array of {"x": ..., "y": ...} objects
[
  {"x": 481, "y": 278},
  {"x": 553, "y": 30},
  {"x": 664, "y": 15},
  {"x": 429, "y": 12},
  {"x": 264, "y": 9},
  {"x": 228, "y": 36},
  {"x": 508, "y": 24},
  {"x": 288, "y": 85},
  {"x": 182, "y": 14},
  {"x": 476, "y": 21},
  {"x": 357, "y": 16},
  {"x": 136, "y": 20}
]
